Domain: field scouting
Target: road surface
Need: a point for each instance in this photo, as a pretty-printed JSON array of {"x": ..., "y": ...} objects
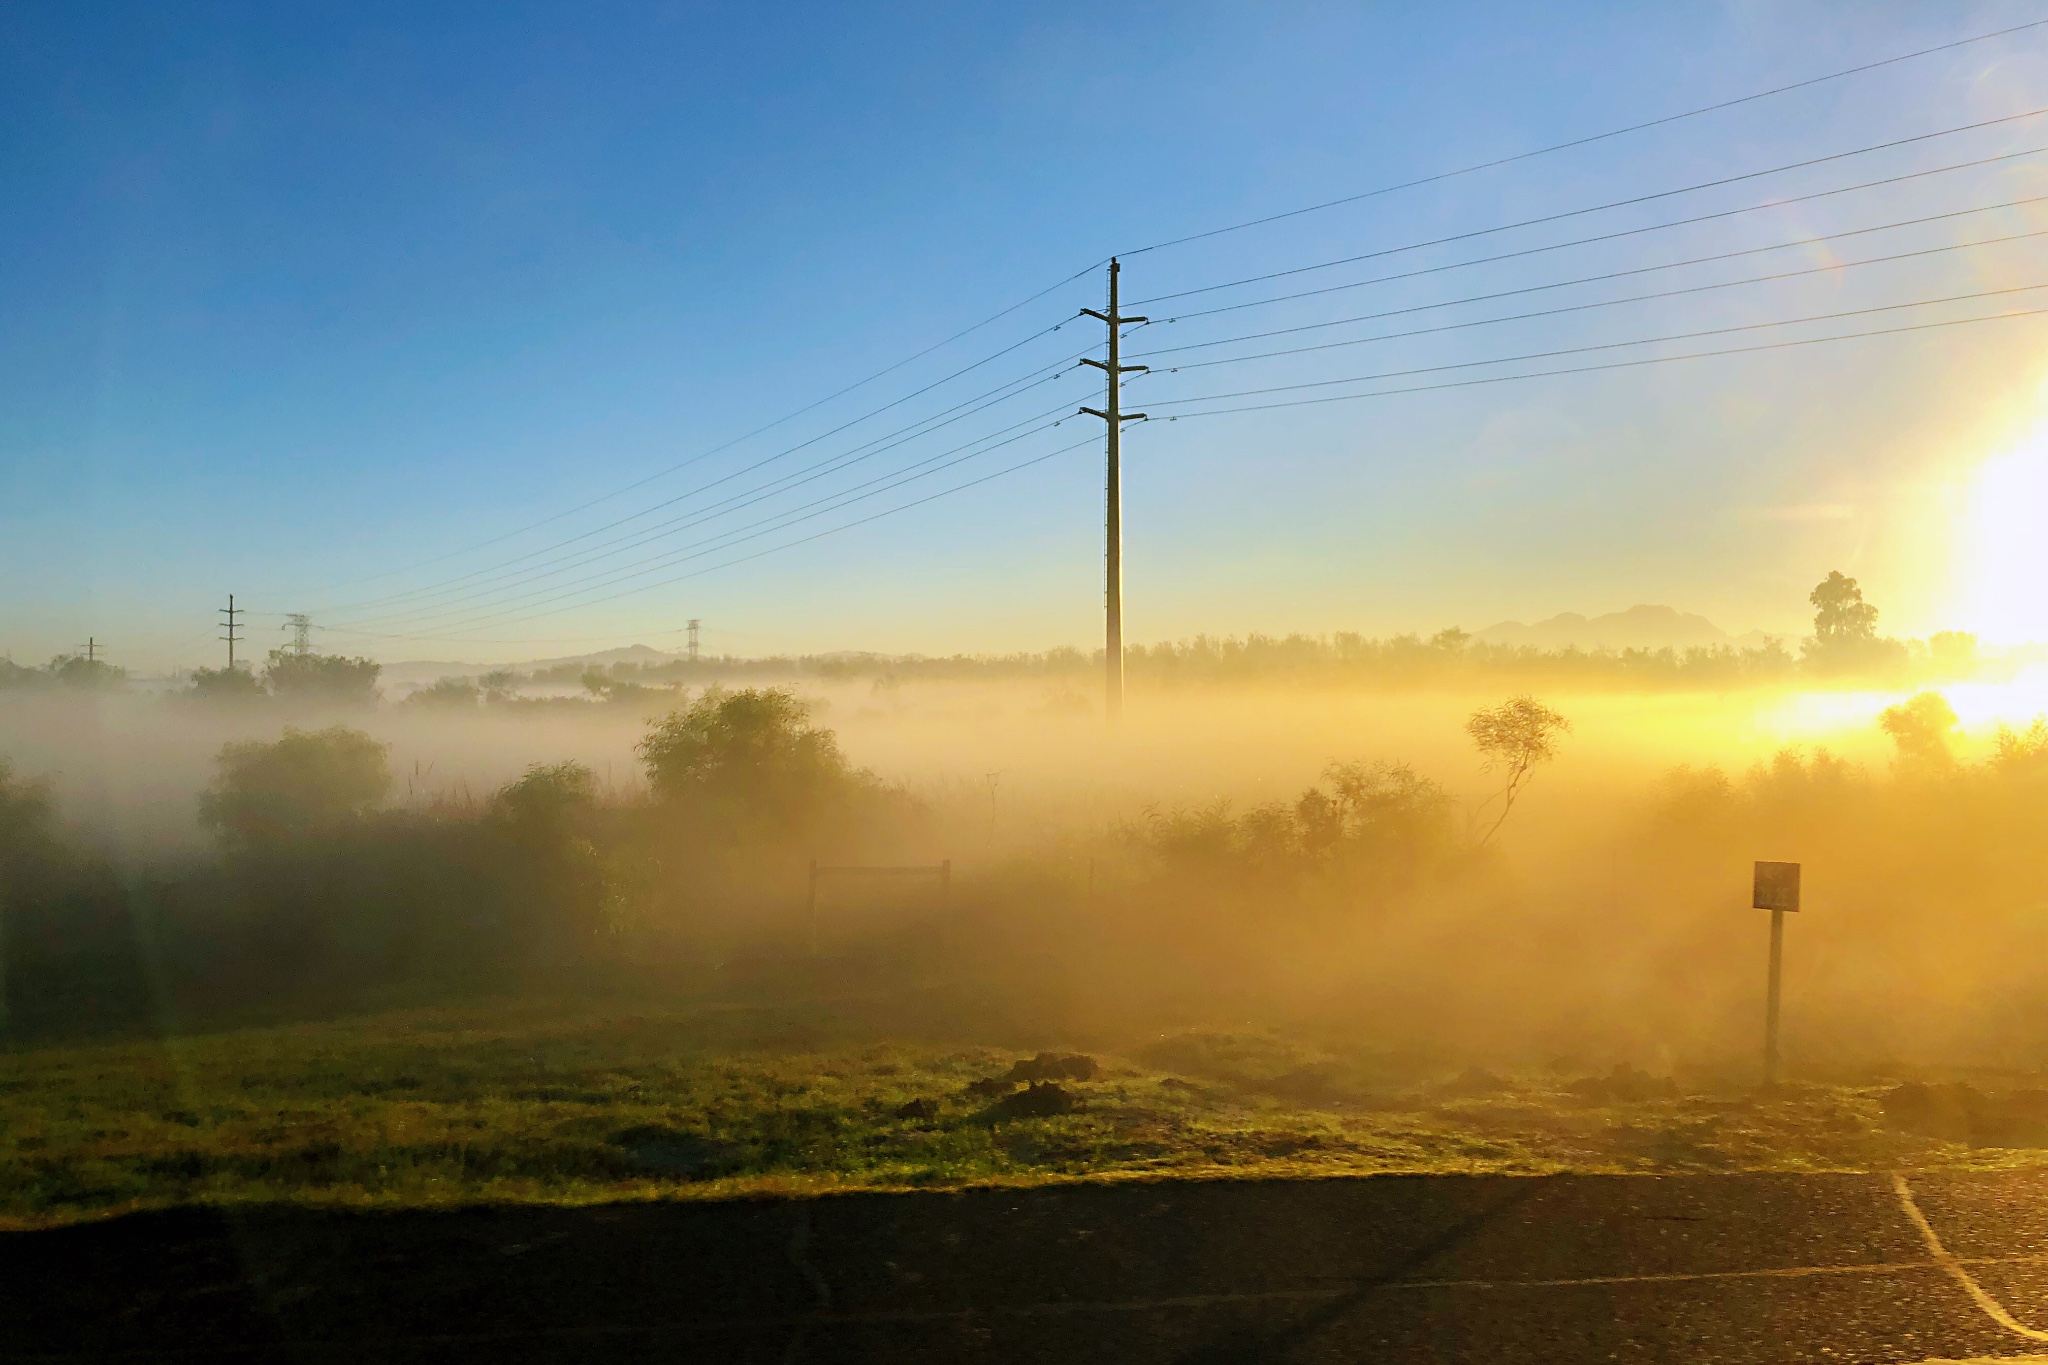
[{"x": 1742, "y": 1269}]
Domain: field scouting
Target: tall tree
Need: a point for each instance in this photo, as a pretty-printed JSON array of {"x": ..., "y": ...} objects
[
  {"x": 1513, "y": 738},
  {"x": 1841, "y": 617}
]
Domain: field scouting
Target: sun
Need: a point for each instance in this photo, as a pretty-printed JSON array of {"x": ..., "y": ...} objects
[{"x": 2005, "y": 543}]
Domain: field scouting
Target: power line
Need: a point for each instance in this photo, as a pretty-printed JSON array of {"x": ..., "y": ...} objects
[
  {"x": 786, "y": 518},
  {"x": 1591, "y": 369},
  {"x": 1575, "y": 307},
  {"x": 1599, "y": 208},
  {"x": 1597, "y": 238},
  {"x": 773, "y": 491},
  {"x": 1623, "y": 274},
  {"x": 726, "y": 478},
  {"x": 1584, "y": 141},
  {"x": 1263, "y": 407},
  {"x": 876, "y": 446},
  {"x": 430, "y": 611},
  {"x": 494, "y": 619},
  {"x": 786, "y": 417},
  {"x": 1524, "y": 316},
  {"x": 773, "y": 549},
  {"x": 1608, "y": 345}
]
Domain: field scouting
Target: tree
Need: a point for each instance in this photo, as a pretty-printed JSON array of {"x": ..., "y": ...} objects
[
  {"x": 224, "y": 684},
  {"x": 750, "y": 757},
  {"x": 1953, "y": 651},
  {"x": 75, "y": 670},
  {"x": 448, "y": 694},
  {"x": 1921, "y": 727},
  {"x": 2020, "y": 751},
  {"x": 323, "y": 677},
  {"x": 25, "y": 843},
  {"x": 302, "y": 783},
  {"x": 1370, "y": 803},
  {"x": 546, "y": 804},
  {"x": 556, "y": 880},
  {"x": 1513, "y": 738},
  {"x": 1845, "y": 630},
  {"x": 1841, "y": 616},
  {"x": 611, "y": 687}
]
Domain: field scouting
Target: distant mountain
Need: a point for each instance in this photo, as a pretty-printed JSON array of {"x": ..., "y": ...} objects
[{"x": 1640, "y": 627}]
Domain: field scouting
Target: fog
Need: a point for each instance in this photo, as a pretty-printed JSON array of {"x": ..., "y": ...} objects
[{"x": 1122, "y": 885}]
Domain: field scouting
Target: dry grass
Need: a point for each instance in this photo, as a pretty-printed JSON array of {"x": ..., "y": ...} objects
[{"x": 526, "y": 1102}]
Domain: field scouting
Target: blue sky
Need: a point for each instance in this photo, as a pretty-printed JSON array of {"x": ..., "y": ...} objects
[{"x": 323, "y": 306}]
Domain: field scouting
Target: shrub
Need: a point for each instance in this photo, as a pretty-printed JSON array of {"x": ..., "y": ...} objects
[{"x": 302, "y": 783}]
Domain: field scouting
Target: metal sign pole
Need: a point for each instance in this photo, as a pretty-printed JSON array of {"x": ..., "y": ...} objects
[
  {"x": 1772, "y": 999},
  {"x": 1776, "y": 889}
]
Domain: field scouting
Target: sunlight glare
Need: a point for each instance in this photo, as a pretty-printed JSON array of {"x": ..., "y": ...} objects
[{"x": 2005, "y": 544}]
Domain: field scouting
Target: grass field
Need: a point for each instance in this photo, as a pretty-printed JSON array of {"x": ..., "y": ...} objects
[{"x": 527, "y": 1102}]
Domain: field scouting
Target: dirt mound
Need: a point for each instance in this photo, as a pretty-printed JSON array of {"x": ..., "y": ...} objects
[
  {"x": 1055, "y": 1066},
  {"x": 1044, "y": 1100},
  {"x": 1963, "y": 1113},
  {"x": 669, "y": 1151},
  {"x": 1623, "y": 1085},
  {"x": 1475, "y": 1083}
]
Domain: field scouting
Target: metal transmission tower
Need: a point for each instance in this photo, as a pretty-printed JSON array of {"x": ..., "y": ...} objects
[
  {"x": 301, "y": 627},
  {"x": 695, "y": 624},
  {"x": 1114, "y": 417},
  {"x": 233, "y": 615}
]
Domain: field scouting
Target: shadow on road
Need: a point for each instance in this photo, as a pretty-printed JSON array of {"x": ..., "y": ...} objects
[{"x": 1710, "y": 1268}]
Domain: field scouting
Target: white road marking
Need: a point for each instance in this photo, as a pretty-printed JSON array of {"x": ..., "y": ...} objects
[{"x": 1993, "y": 1309}]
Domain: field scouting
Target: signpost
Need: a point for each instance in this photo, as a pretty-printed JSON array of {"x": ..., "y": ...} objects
[{"x": 1776, "y": 890}]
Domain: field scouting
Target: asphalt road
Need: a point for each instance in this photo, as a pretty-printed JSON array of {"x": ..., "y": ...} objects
[{"x": 1700, "y": 1269}]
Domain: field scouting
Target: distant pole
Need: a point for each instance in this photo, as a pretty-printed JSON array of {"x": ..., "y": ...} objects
[
  {"x": 692, "y": 648},
  {"x": 1776, "y": 890},
  {"x": 232, "y": 614},
  {"x": 1113, "y": 417},
  {"x": 92, "y": 649}
]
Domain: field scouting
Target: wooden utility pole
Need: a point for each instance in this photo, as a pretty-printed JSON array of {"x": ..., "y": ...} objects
[{"x": 1114, "y": 418}]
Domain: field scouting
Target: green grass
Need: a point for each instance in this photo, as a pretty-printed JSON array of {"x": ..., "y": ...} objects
[{"x": 563, "y": 1104}]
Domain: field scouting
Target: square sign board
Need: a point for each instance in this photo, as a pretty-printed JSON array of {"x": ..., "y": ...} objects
[{"x": 1777, "y": 886}]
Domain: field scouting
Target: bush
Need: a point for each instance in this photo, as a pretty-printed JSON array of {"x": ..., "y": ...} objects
[
  {"x": 450, "y": 694},
  {"x": 749, "y": 762},
  {"x": 224, "y": 684},
  {"x": 304, "y": 782},
  {"x": 67, "y": 950},
  {"x": 323, "y": 677}
]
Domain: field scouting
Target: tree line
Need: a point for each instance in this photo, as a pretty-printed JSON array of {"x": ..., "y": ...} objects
[{"x": 1845, "y": 646}]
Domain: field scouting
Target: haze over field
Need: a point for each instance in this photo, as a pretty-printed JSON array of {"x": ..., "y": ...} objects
[{"x": 626, "y": 604}]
